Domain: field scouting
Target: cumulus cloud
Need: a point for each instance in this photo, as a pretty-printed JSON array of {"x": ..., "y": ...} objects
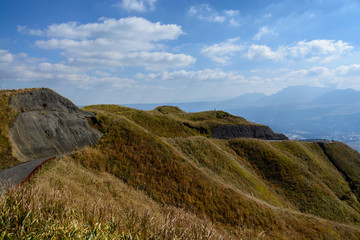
[
  {"x": 319, "y": 50},
  {"x": 263, "y": 52},
  {"x": 339, "y": 77},
  {"x": 206, "y": 13},
  {"x": 319, "y": 47},
  {"x": 222, "y": 52},
  {"x": 128, "y": 41},
  {"x": 22, "y": 68},
  {"x": 149, "y": 60},
  {"x": 350, "y": 70},
  {"x": 314, "y": 72},
  {"x": 137, "y": 5},
  {"x": 5, "y": 56},
  {"x": 322, "y": 50},
  {"x": 205, "y": 75},
  {"x": 263, "y": 31},
  {"x": 124, "y": 29}
]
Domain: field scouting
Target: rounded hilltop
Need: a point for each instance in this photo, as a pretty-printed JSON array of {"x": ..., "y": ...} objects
[{"x": 169, "y": 109}]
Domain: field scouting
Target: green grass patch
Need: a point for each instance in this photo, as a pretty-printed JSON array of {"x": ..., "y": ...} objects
[
  {"x": 291, "y": 180},
  {"x": 347, "y": 161},
  {"x": 208, "y": 155}
]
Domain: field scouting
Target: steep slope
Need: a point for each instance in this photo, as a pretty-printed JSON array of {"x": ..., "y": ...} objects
[
  {"x": 347, "y": 162},
  {"x": 242, "y": 182},
  {"x": 84, "y": 204},
  {"x": 48, "y": 124},
  {"x": 246, "y": 187},
  {"x": 7, "y": 116}
]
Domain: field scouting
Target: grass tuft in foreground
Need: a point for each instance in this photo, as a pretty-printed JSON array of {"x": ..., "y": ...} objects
[{"x": 67, "y": 201}]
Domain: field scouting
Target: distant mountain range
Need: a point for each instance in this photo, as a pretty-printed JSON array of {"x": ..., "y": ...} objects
[{"x": 300, "y": 112}]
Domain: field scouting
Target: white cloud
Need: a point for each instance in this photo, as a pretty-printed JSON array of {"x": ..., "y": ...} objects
[
  {"x": 319, "y": 47},
  {"x": 232, "y": 13},
  {"x": 124, "y": 29},
  {"x": 129, "y": 41},
  {"x": 205, "y": 75},
  {"x": 206, "y": 13},
  {"x": 22, "y": 68},
  {"x": 320, "y": 50},
  {"x": 343, "y": 76},
  {"x": 263, "y": 52},
  {"x": 149, "y": 60},
  {"x": 263, "y": 31},
  {"x": 5, "y": 56},
  {"x": 318, "y": 72},
  {"x": 21, "y": 29},
  {"x": 350, "y": 70},
  {"x": 222, "y": 52},
  {"x": 235, "y": 23},
  {"x": 137, "y": 5}
]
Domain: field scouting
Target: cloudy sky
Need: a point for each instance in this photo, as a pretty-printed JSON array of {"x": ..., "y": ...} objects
[{"x": 146, "y": 51}]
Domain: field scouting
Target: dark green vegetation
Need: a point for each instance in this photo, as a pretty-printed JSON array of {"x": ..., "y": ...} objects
[{"x": 166, "y": 161}]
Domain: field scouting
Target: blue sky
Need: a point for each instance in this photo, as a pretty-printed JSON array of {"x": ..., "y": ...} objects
[{"x": 146, "y": 51}]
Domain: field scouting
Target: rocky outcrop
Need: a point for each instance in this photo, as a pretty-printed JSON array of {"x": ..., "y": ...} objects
[
  {"x": 48, "y": 124},
  {"x": 246, "y": 131}
]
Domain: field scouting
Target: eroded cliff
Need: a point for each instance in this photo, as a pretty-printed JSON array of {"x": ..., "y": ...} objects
[
  {"x": 48, "y": 124},
  {"x": 246, "y": 131}
]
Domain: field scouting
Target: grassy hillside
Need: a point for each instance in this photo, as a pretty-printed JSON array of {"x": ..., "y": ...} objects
[
  {"x": 162, "y": 165},
  {"x": 347, "y": 162},
  {"x": 300, "y": 185},
  {"x": 242, "y": 182},
  {"x": 67, "y": 201},
  {"x": 7, "y": 116}
]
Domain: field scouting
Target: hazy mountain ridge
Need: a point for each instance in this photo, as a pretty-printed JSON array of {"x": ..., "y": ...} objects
[{"x": 300, "y": 112}]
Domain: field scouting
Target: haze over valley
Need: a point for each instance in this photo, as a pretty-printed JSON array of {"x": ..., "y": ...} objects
[{"x": 299, "y": 112}]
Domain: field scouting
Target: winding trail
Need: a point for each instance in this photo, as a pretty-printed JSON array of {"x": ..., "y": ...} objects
[{"x": 17, "y": 175}]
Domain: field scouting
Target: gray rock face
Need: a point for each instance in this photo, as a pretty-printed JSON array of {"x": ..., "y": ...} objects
[
  {"x": 248, "y": 131},
  {"x": 48, "y": 124}
]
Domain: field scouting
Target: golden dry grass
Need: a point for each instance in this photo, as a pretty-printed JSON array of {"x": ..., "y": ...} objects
[
  {"x": 7, "y": 116},
  {"x": 156, "y": 175},
  {"x": 79, "y": 203},
  {"x": 218, "y": 178}
]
